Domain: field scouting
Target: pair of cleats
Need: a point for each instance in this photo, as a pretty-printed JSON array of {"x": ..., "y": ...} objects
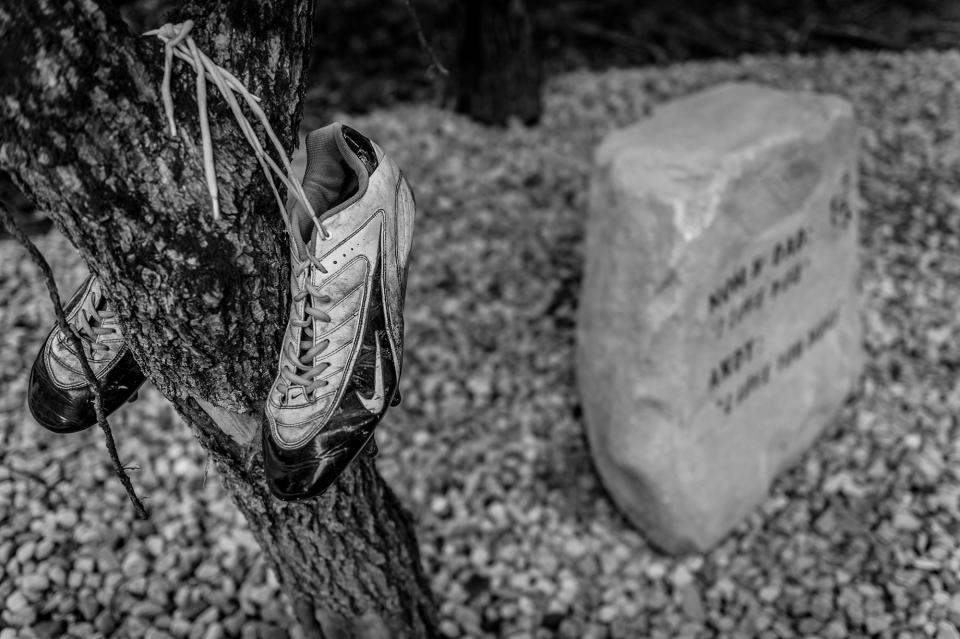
[{"x": 339, "y": 365}]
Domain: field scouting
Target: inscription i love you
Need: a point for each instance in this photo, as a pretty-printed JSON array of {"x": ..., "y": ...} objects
[{"x": 744, "y": 303}]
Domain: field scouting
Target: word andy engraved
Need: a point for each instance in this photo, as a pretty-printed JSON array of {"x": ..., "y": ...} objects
[{"x": 734, "y": 362}]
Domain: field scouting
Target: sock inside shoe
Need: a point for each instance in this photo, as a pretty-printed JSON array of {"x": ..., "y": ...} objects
[
  {"x": 335, "y": 176},
  {"x": 325, "y": 175}
]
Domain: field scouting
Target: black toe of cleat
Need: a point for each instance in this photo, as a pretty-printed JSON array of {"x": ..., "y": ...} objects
[
  {"x": 56, "y": 409},
  {"x": 70, "y": 410},
  {"x": 308, "y": 471}
]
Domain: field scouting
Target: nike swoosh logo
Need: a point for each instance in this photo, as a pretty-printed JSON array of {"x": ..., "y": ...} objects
[{"x": 375, "y": 403}]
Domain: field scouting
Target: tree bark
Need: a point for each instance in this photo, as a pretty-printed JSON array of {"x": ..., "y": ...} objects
[
  {"x": 498, "y": 71},
  {"x": 203, "y": 302}
]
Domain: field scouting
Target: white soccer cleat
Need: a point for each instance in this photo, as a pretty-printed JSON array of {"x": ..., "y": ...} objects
[{"x": 343, "y": 348}]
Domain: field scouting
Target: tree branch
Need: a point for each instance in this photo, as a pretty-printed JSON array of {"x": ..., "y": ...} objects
[{"x": 424, "y": 44}]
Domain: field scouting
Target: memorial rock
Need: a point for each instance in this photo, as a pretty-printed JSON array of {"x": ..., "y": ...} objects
[{"x": 719, "y": 330}]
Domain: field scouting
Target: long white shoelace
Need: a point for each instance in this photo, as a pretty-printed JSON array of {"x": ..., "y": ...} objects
[{"x": 177, "y": 41}]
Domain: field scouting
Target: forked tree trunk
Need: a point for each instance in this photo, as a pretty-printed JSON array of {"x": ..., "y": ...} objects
[
  {"x": 498, "y": 70},
  {"x": 203, "y": 302}
]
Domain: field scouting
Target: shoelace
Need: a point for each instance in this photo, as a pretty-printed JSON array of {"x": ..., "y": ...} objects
[
  {"x": 178, "y": 42},
  {"x": 303, "y": 360},
  {"x": 90, "y": 323}
]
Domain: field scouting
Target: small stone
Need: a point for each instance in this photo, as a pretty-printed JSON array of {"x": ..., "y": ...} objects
[
  {"x": 208, "y": 617},
  {"x": 955, "y": 604},
  {"x": 877, "y": 624},
  {"x": 135, "y": 626},
  {"x": 181, "y": 627},
  {"x": 809, "y": 626},
  {"x": 821, "y": 606},
  {"x": 107, "y": 562},
  {"x": 215, "y": 631},
  {"x": 656, "y": 571},
  {"x": 440, "y": 506},
  {"x": 208, "y": 572},
  {"x": 137, "y": 586},
  {"x": 681, "y": 577},
  {"x": 692, "y": 603},
  {"x": 67, "y": 605},
  {"x": 607, "y": 614},
  {"x": 155, "y": 545},
  {"x": 67, "y": 518},
  {"x": 905, "y": 520},
  {"x": 57, "y": 575},
  {"x": 946, "y": 630},
  {"x": 81, "y": 629},
  {"x": 143, "y": 528},
  {"x": 85, "y": 564},
  {"x": 769, "y": 594},
  {"x": 75, "y": 579},
  {"x": 269, "y": 631},
  {"x": 158, "y": 591},
  {"x": 88, "y": 605},
  {"x": 34, "y": 585},
  {"x": 105, "y": 623},
  {"x": 87, "y": 535},
  {"x": 134, "y": 565},
  {"x": 51, "y": 629},
  {"x": 25, "y": 552},
  {"x": 20, "y": 616},
  {"x": 575, "y": 548},
  {"x": 146, "y": 610},
  {"x": 234, "y": 623},
  {"x": 468, "y": 619},
  {"x": 44, "y": 549},
  {"x": 17, "y": 602},
  {"x": 449, "y": 628}
]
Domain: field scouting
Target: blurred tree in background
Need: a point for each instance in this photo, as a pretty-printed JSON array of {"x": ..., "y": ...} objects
[
  {"x": 366, "y": 54},
  {"x": 498, "y": 72}
]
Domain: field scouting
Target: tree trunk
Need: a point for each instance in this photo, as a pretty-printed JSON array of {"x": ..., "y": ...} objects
[
  {"x": 498, "y": 74},
  {"x": 203, "y": 302}
]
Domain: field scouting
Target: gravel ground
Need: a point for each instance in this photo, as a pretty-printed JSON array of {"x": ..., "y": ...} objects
[{"x": 859, "y": 539}]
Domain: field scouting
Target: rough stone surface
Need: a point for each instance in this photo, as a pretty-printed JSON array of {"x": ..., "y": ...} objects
[{"x": 719, "y": 326}]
